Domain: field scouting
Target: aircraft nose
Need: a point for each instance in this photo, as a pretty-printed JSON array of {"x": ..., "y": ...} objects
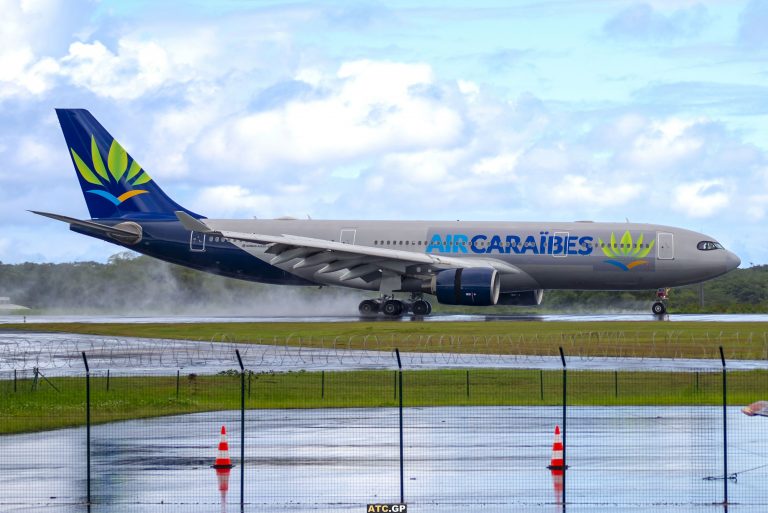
[{"x": 732, "y": 261}]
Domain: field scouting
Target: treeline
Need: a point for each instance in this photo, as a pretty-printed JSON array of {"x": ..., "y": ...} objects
[{"x": 143, "y": 285}]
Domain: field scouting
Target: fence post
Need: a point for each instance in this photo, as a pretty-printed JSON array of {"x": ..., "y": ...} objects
[
  {"x": 322, "y": 385},
  {"x": 242, "y": 430},
  {"x": 14, "y": 381},
  {"x": 87, "y": 426},
  {"x": 394, "y": 388},
  {"x": 541, "y": 384},
  {"x": 177, "y": 383},
  {"x": 616, "y": 383},
  {"x": 725, "y": 430},
  {"x": 400, "y": 394},
  {"x": 467, "y": 383},
  {"x": 107, "y": 380},
  {"x": 565, "y": 420}
]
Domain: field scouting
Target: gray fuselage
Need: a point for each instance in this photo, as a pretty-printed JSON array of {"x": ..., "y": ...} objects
[{"x": 576, "y": 255}]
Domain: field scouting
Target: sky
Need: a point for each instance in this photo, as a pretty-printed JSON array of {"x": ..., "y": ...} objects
[{"x": 509, "y": 110}]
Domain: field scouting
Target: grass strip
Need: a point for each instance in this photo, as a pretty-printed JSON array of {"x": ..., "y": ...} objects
[
  {"x": 743, "y": 340},
  {"x": 38, "y": 407}
]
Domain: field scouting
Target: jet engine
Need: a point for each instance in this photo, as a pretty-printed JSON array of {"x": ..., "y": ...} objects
[
  {"x": 476, "y": 286},
  {"x": 522, "y": 298}
]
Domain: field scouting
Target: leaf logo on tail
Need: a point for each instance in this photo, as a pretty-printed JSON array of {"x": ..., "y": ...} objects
[
  {"x": 115, "y": 175},
  {"x": 626, "y": 248}
]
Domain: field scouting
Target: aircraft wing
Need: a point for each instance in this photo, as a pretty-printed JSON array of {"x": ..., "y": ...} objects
[{"x": 358, "y": 261}]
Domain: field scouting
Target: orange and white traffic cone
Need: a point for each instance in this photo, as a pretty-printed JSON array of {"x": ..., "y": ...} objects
[
  {"x": 557, "y": 463},
  {"x": 222, "y": 460}
]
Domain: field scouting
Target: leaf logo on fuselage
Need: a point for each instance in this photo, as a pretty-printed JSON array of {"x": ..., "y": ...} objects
[
  {"x": 624, "y": 249},
  {"x": 116, "y": 176}
]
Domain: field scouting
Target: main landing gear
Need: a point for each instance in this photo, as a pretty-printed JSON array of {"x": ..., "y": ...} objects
[
  {"x": 659, "y": 308},
  {"x": 391, "y": 307}
]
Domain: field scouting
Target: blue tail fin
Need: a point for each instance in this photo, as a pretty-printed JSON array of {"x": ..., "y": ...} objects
[{"x": 113, "y": 183}]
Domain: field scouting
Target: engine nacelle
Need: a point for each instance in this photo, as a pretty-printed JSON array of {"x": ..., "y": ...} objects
[
  {"x": 522, "y": 298},
  {"x": 475, "y": 286}
]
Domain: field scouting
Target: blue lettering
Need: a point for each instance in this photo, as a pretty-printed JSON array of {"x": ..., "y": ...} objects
[
  {"x": 586, "y": 244},
  {"x": 557, "y": 245},
  {"x": 435, "y": 244},
  {"x": 495, "y": 244},
  {"x": 460, "y": 243},
  {"x": 571, "y": 244},
  {"x": 474, "y": 247},
  {"x": 513, "y": 243},
  {"x": 530, "y": 245}
]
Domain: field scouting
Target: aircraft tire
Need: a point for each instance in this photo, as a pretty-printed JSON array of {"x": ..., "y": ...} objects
[
  {"x": 658, "y": 308},
  {"x": 368, "y": 308},
  {"x": 421, "y": 308},
  {"x": 392, "y": 308}
]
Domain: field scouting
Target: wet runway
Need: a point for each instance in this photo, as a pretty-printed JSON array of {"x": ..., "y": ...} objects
[
  {"x": 59, "y": 354},
  {"x": 617, "y": 316},
  {"x": 487, "y": 459}
]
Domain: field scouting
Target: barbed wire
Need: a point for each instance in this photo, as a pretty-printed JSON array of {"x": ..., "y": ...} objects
[{"x": 147, "y": 355}]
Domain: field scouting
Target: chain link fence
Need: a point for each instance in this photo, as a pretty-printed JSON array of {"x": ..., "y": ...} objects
[{"x": 321, "y": 429}]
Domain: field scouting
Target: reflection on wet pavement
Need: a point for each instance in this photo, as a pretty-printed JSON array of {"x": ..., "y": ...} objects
[{"x": 456, "y": 459}]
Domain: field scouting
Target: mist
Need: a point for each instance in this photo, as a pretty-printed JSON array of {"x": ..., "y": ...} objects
[
  {"x": 133, "y": 285},
  {"x": 141, "y": 286}
]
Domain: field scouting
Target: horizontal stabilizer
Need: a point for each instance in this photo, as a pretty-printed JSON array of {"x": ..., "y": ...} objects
[
  {"x": 90, "y": 225},
  {"x": 192, "y": 224}
]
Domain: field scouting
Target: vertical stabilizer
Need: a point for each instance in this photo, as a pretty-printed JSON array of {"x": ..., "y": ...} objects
[{"x": 113, "y": 183}]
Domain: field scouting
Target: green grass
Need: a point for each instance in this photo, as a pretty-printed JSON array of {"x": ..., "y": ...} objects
[
  {"x": 744, "y": 340},
  {"x": 44, "y": 408}
]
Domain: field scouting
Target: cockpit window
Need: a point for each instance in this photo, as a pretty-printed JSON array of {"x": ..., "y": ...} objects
[{"x": 708, "y": 245}]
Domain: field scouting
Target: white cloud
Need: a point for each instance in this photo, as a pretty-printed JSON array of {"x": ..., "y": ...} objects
[
  {"x": 468, "y": 88},
  {"x": 502, "y": 165},
  {"x": 372, "y": 107},
  {"x": 702, "y": 198},
  {"x": 32, "y": 152},
  {"x": 29, "y": 30},
  {"x": 419, "y": 168},
  {"x": 663, "y": 144},
  {"x": 137, "y": 67},
  {"x": 232, "y": 201},
  {"x": 578, "y": 190}
]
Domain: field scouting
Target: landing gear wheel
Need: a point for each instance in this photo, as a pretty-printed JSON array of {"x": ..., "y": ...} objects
[
  {"x": 392, "y": 308},
  {"x": 368, "y": 308},
  {"x": 658, "y": 308},
  {"x": 421, "y": 308}
]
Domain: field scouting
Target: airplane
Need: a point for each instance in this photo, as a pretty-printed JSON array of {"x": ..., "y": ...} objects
[{"x": 458, "y": 263}]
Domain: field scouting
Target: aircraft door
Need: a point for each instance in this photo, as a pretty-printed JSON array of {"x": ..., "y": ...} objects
[
  {"x": 347, "y": 236},
  {"x": 665, "y": 245},
  {"x": 196, "y": 241},
  {"x": 560, "y": 244}
]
